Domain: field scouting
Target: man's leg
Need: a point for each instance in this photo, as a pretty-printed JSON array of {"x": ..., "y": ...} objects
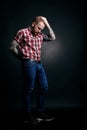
[
  {"x": 43, "y": 90},
  {"x": 29, "y": 73}
]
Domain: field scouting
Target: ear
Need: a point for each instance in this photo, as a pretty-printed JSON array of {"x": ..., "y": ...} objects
[{"x": 33, "y": 24}]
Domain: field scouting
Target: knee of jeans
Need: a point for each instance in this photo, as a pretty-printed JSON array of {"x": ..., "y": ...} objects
[
  {"x": 45, "y": 90},
  {"x": 29, "y": 90}
]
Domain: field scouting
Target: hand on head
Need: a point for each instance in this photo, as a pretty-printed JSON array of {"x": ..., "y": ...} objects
[{"x": 43, "y": 19}]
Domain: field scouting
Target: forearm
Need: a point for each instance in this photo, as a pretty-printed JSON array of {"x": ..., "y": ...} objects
[
  {"x": 51, "y": 32},
  {"x": 13, "y": 46}
]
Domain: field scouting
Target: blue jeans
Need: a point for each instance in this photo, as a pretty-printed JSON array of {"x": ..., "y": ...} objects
[{"x": 32, "y": 72}]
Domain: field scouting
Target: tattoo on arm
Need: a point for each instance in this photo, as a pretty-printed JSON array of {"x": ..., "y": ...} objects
[{"x": 51, "y": 33}]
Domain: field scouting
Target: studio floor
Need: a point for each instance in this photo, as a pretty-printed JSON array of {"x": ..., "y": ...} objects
[{"x": 65, "y": 119}]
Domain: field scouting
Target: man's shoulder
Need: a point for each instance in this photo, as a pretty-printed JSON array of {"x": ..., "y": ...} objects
[{"x": 23, "y": 30}]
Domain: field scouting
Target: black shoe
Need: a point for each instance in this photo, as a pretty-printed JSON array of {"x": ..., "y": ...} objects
[
  {"x": 33, "y": 121},
  {"x": 44, "y": 117},
  {"x": 29, "y": 119}
]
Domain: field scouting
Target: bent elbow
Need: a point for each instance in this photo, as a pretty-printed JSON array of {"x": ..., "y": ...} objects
[{"x": 54, "y": 38}]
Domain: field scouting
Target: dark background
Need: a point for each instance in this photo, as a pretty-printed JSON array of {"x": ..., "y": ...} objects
[{"x": 64, "y": 59}]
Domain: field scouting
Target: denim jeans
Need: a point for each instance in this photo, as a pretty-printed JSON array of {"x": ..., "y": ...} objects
[{"x": 33, "y": 71}]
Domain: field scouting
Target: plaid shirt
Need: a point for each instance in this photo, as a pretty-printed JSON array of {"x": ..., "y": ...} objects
[{"x": 29, "y": 45}]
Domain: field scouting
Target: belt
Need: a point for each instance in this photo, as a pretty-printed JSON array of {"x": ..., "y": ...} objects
[{"x": 37, "y": 61}]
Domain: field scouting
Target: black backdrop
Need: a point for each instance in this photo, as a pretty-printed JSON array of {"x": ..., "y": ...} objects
[{"x": 63, "y": 58}]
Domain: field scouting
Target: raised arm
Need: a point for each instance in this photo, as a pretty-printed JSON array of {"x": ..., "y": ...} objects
[{"x": 51, "y": 32}]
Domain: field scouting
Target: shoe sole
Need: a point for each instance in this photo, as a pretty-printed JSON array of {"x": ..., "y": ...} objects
[
  {"x": 39, "y": 119},
  {"x": 31, "y": 122}
]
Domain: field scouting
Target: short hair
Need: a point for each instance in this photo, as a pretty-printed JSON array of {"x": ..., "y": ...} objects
[{"x": 37, "y": 19}]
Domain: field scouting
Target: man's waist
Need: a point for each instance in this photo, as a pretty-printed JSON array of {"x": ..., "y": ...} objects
[
  {"x": 27, "y": 55},
  {"x": 32, "y": 60}
]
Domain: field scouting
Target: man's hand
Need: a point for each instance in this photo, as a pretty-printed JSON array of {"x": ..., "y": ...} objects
[
  {"x": 51, "y": 32},
  {"x": 43, "y": 19}
]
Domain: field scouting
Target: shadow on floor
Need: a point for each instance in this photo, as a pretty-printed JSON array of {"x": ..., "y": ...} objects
[{"x": 69, "y": 119}]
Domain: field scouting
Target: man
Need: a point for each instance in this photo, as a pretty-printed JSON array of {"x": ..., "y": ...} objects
[{"x": 26, "y": 45}]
